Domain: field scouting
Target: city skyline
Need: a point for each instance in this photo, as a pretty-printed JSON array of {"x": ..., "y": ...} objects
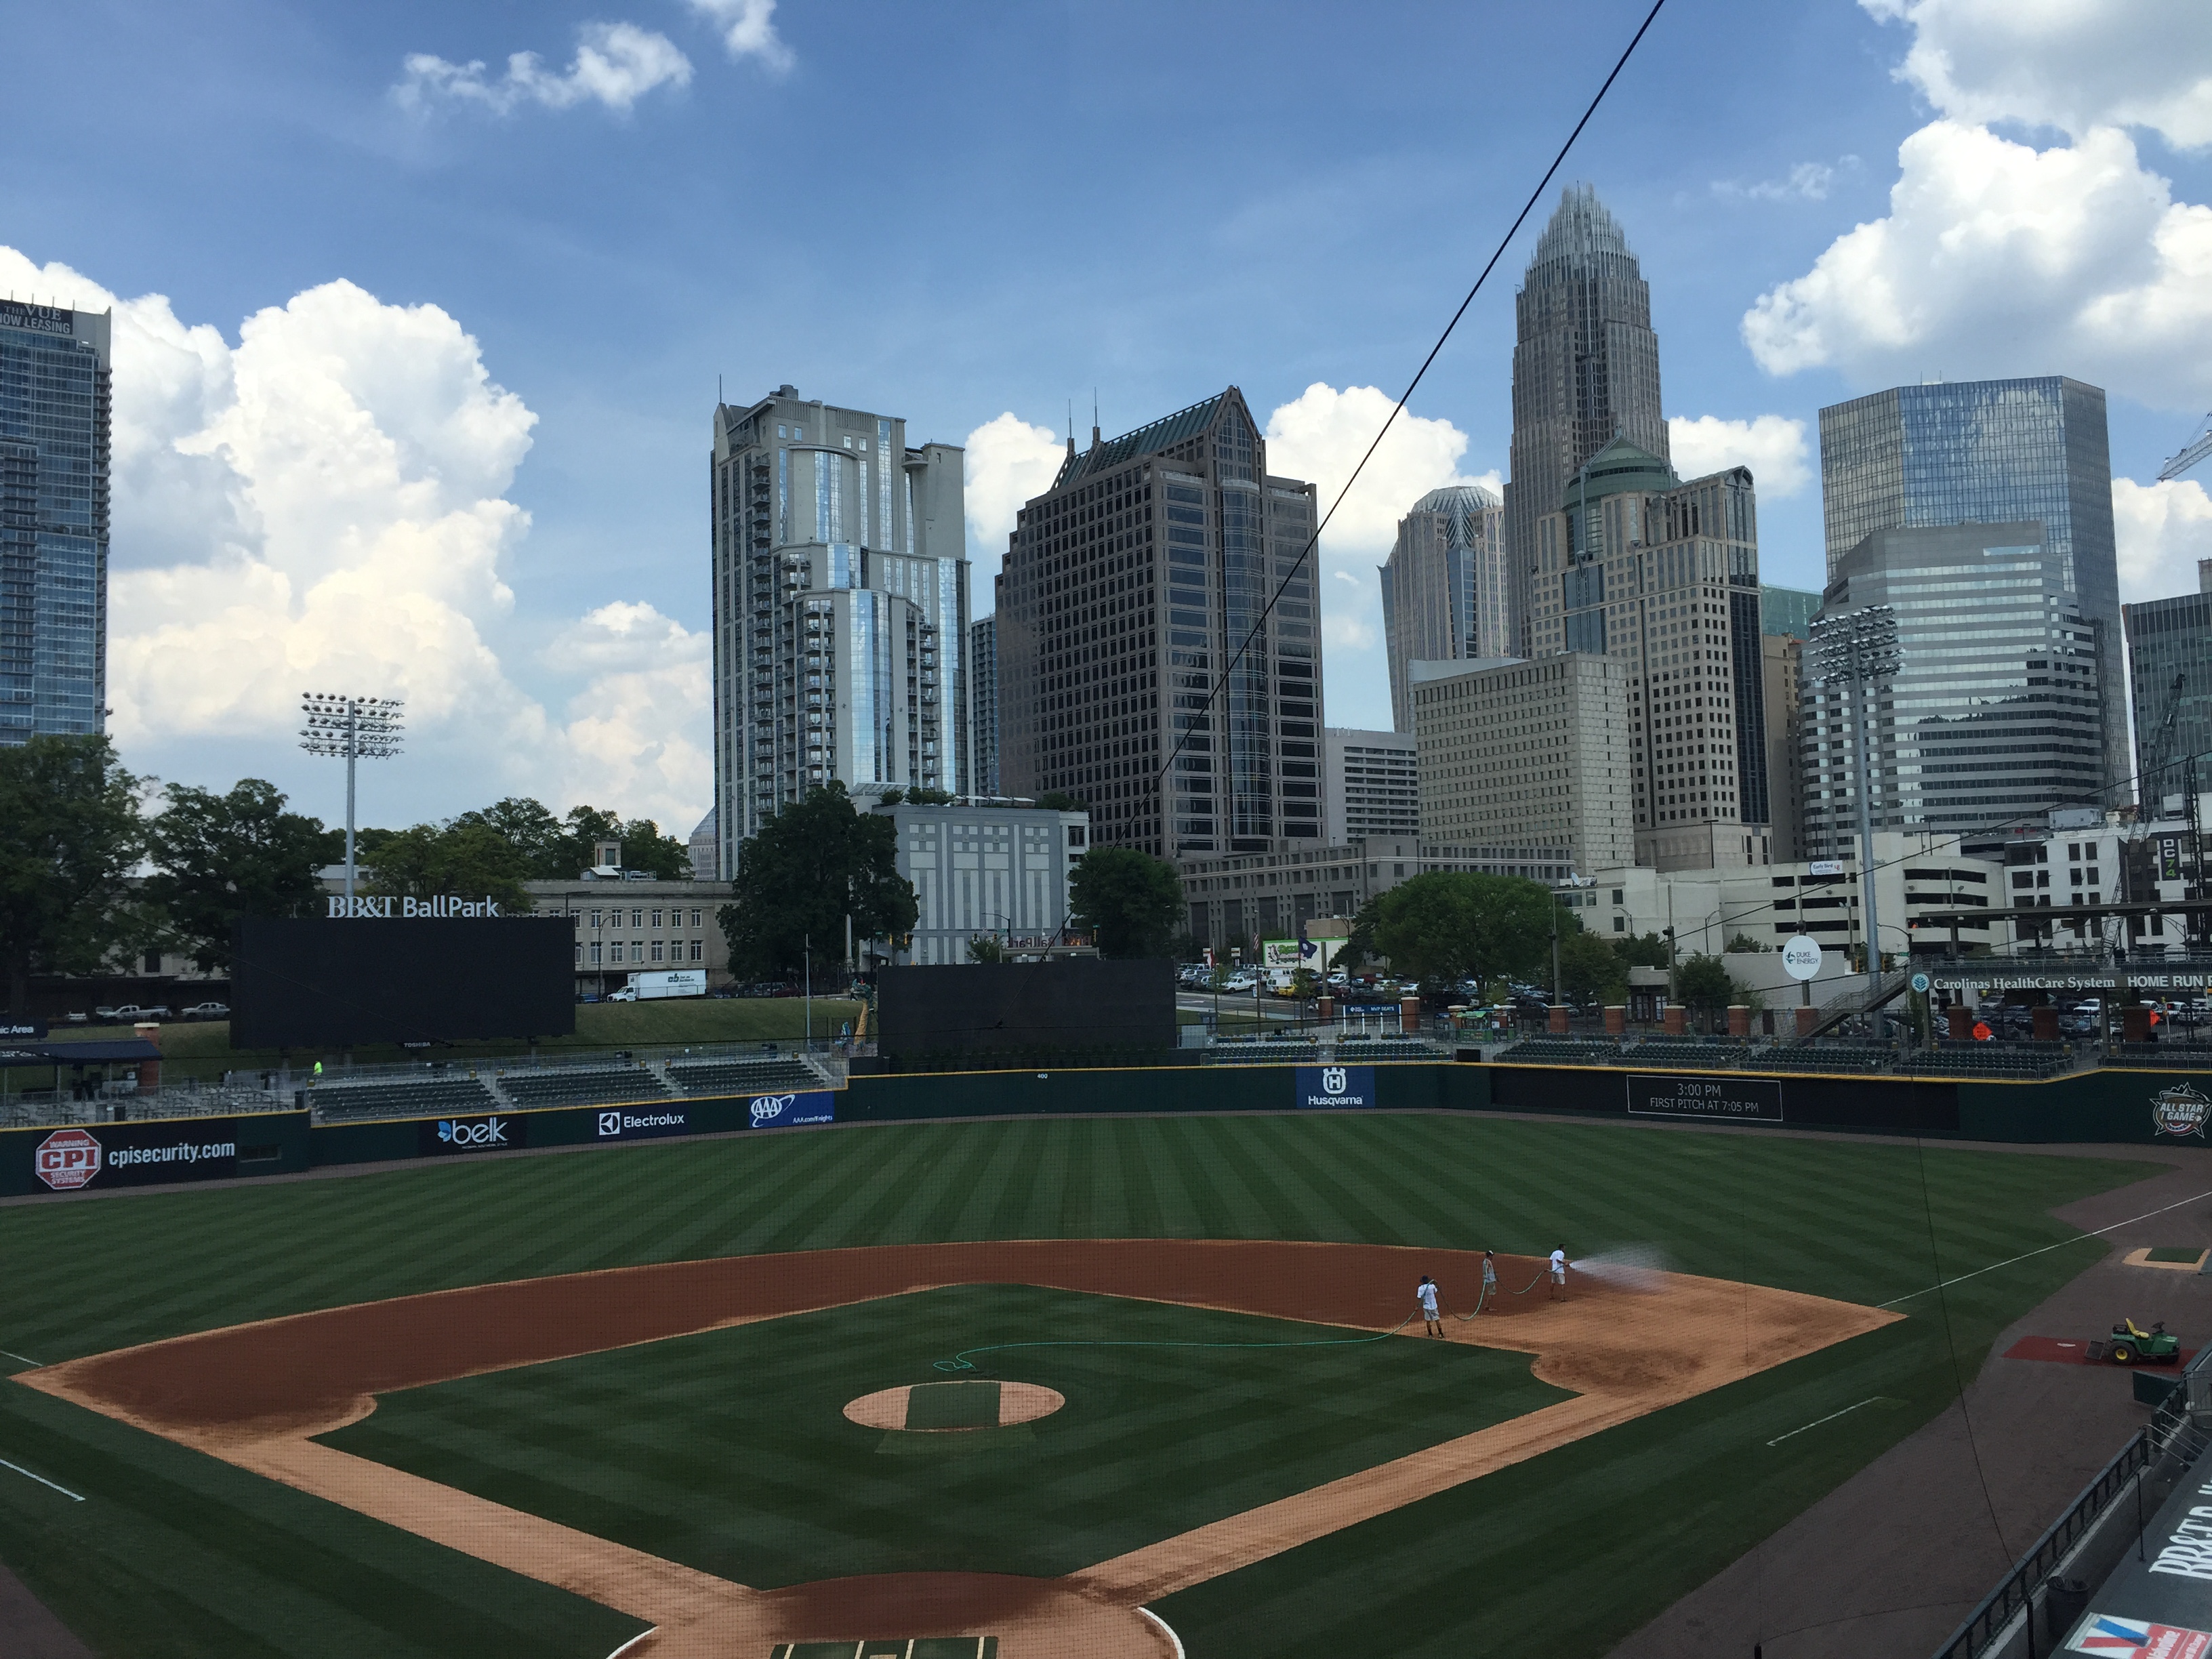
[{"x": 352, "y": 448}]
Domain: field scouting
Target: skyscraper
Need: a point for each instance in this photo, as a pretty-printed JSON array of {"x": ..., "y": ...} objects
[
  {"x": 53, "y": 521},
  {"x": 2170, "y": 679},
  {"x": 983, "y": 704},
  {"x": 1634, "y": 564},
  {"x": 1585, "y": 371},
  {"x": 1445, "y": 595},
  {"x": 1994, "y": 716},
  {"x": 1989, "y": 452},
  {"x": 840, "y": 609},
  {"x": 1131, "y": 588}
]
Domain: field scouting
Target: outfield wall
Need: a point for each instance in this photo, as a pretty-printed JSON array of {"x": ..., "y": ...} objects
[{"x": 2113, "y": 1105}]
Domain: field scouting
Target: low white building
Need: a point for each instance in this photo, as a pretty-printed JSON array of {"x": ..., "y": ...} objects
[{"x": 984, "y": 869}]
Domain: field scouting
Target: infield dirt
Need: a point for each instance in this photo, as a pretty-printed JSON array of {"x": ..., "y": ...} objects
[{"x": 255, "y": 1395}]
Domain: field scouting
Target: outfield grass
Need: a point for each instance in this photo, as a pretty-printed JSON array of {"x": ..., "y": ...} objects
[
  {"x": 201, "y": 1047},
  {"x": 730, "y": 1451},
  {"x": 175, "y": 1554}
]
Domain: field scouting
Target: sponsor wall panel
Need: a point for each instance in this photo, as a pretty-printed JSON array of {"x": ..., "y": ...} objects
[
  {"x": 1899, "y": 1107},
  {"x": 150, "y": 1152}
]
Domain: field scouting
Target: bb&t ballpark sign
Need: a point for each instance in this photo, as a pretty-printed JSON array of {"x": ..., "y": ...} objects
[{"x": 393, "y": 909}]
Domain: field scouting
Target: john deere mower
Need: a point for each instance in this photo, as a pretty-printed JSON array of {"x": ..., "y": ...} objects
[{"x": 2130, "y": 1344}]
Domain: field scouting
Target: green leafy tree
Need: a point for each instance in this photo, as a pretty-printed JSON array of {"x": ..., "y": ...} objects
[
  {"x": 217, "y": 858},
  {"x": 1745, "y": 945},
  {"x": 1446, "y": 926},
  {"x": 70, "y": 835},
  {"x": 984, "y": 948},
  {"x": 1059, "y": 800},
  {"x": 1130, "y": 901},
  {"x": 536, "y": 834},
  {"x": 1304, "y": 983},
  {"x": 1702, "y": 983},
  {"x": 463, "y": 858},
  {"x": 643, "y": 846},
  {"x": 1359, "y": 947},
  {"x": 813, "y": 863},
  {"x": 1590, "y": 970},
  {"x": 1641, "y": 950},
  {"x": 927, "y": 797}
]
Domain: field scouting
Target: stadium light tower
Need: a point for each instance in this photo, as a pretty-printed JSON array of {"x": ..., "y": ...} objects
[
  {"x": 350, "y": 729},
  {"x": 1857, "y": 649}
]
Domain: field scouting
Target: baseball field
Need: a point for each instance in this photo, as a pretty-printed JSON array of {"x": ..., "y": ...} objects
[{"x": 547, "y": 1404}]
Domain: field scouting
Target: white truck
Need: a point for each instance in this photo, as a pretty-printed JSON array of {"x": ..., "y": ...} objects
[{"x": 669, "y": 983}]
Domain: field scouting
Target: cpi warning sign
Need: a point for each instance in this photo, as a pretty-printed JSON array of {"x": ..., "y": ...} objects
[{"x": 67, "y": 1159}]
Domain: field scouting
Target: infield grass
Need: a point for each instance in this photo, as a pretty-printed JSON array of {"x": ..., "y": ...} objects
[{"x": 175, "y": 1554}]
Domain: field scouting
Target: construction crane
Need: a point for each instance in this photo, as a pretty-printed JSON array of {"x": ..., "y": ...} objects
[{"x": 2191, "y": 453}]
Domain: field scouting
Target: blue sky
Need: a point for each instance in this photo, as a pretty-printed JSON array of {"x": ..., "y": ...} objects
[{"x": 956, "y": 213}]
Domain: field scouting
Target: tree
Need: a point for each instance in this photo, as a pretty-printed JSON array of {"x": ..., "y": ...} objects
[
  {"x": 459, "y": 857},
  {"x": 1702, "y": 983},
  {"x": 1590, "y": 970},
  {"x": 1059, "y": 800},
  {"x": 1641, "y": 950},
  {"x": 539, "y": 838},
  {"x": 1444, "y": 926},
  {"x": 984, "y": 948},
  {"x": 1130, "y": 901},
  {"x": 1745, "y": 944},
  {"x": 812, "y": 864},
  {"x": 70, "y": 833},
  {"x": 922, "y": 796},
  {"x": 217, "y": 858}
]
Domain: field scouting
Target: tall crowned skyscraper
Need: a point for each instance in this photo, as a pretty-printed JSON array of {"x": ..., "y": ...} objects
[
  {"x": 53, "y": 521},
  {"x": 1446, "y": 592},
  {"x": 840, "y": 609},
  {"x": 1131, "y": 589},
  {"x": 1585, "y": 371}
]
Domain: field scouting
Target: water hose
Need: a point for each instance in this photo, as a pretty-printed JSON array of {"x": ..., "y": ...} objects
[{"x": 960, "y": 1362}]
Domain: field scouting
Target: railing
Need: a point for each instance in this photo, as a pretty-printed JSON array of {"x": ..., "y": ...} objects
[{"x": 2015, "y": 1595}]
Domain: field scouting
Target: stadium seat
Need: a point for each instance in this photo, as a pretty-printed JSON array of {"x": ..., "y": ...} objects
[{"x": 580, "y": 1085}]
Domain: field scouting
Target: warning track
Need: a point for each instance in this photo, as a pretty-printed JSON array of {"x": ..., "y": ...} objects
[{"x": 254, "y": 1395}]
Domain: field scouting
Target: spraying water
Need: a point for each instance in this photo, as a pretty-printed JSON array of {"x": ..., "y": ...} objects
[{"x": 1634, "y": 1267}]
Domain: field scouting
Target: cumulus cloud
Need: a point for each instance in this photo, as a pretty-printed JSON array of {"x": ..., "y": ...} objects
[
  {"x": 616, "y": 65},
  {"x": 2163, "y": 530},
  {"x": 1772, "y": 446},
  {"x": 323, "y": 505},
  {"x": 1809, "y": 181},
  {"x": 749, "y": 30},
  {"x": 1320, "y": 436},
  {"x": 1996, "y": 260},
  {"x": 2078, "y": 66},
  {"x": 1008, "y": 462}
]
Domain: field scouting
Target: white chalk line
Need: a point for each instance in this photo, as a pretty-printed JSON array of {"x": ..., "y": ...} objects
[
  {"x": 1817, "y": 1421},
  {"x": 20, "y": 1359},
  {"x": 2077, "y": 1239},
  {"x": 41, "y": 1480},
  {"x": 1166, "y": 1629},
  {"x": 632, "y": 1642}
]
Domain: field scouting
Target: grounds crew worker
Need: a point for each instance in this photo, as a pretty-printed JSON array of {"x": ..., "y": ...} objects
[
  {"x": 1432, "y": 1321},
  {"x": 1559, "y": 1272}
]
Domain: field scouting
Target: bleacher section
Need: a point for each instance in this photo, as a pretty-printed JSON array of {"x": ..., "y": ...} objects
[
  {"x": 1278, "y": 1051},
  {"x": 2167, "y": 1056},
  {"x": 580, "y": 1085},
  {"x": 1980, "y": 1060},
  {"x": 1693, "y": 1056},
  {"x": 1560, "y": 1051},
  {"x": 1841, "y": 1058},
  {"x": 1365, "y": 1051},
  {"x": 426, "y": 1098},
  {"x": 743, "y": 1077}
]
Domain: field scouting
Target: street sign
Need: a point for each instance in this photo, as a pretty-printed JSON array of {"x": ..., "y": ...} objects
[{"x": 1801, "y": 958}]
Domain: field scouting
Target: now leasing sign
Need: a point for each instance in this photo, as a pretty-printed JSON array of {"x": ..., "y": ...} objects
[{"x": 400, "y": 909}]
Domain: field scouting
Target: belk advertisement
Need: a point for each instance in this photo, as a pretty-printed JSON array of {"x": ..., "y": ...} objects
[{"x": 490, "y": 1132}]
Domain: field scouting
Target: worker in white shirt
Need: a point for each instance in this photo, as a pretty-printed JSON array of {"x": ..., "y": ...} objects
[
  {"x": 1559, "y": 1274},
  {"x": 1425, "y": 1293}
]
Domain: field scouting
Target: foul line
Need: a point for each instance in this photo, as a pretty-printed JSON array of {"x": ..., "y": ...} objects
[
  {"x": 1830, "y": 1417},
  {"x": 2077, "y": 1239},
  {"x": 633, "y": 1642},
  {"x": 33, "y": 1363},
  {"x": 1166, "y": 1629},
  {"x": 41, "y": 1480}
]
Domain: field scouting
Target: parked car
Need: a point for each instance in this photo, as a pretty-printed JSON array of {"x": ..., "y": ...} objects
[
  {"x": 206, "y": 1011},
  {"x": 626, "y": 995},
  {"x": 130, "y": 1012},
  {"x": 1242, "y": 981}
]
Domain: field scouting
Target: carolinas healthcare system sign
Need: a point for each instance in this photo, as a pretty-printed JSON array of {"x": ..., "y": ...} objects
[
  {"x": 784, "y": 1111},
  {"x": 1340, "y": 1087}
]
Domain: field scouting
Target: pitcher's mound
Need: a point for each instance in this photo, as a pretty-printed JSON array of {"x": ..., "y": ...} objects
[{"x": 942, "y": 1407}]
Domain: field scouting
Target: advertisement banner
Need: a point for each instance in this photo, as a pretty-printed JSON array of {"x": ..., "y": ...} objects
[
  {"x": 2138, "y": 1638},
  {"x": 1338, "y": 1087},
  {"x": 136, "y": 1154},
  {"x": 643, "y": 1122},
  {"x": 1734, "y": 1100},
  {"x": 785, "y": 1111},
  {"x": 489, "y": 1131}
]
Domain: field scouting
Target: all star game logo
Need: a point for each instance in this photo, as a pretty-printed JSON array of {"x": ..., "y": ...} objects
[{"x": 2180, "y": 1111}]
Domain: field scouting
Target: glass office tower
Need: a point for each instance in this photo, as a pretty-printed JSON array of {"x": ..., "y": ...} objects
[
  {"x": 53, "y": 521},
  {"x": 1445, "y": 596},
  {"x": 2169, "y": 682},
  {"x": 1995, "y": 716},
  {"x": 1989, "y": 452},
  {"x": 983, "y": 703}
]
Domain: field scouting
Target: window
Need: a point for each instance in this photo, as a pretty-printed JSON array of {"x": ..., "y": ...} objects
[
  {"x": 595, "y": 953},
  {"x": 698, "y": 950},
  {"x": 595, "y": 918},
  {"x": 656, "y": 950},
  {"x": 696, "y": 922},
  {"x": 656, "y": 919},
  {"x": 637, "y": 950},
  {"x": 614, "y": 949},
  {"x": 637, "y": 918}
]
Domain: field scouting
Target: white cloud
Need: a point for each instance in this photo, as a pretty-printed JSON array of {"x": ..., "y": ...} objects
[
  {"x": 324, "y": 507},
  {"x": 616, "y": 65},
  {"x": 1320, "y": 436},
  {"x": 1007, "y": 462},
  {"x": 2163, "y": 530},
  {"x": 749, "y": 30},
  {"x": 1809, "y": 181},
  {"x": 2074, "y": 64},
  {"x": 1772, "y": 446},
  {"x": 2000, "y": 259}
]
